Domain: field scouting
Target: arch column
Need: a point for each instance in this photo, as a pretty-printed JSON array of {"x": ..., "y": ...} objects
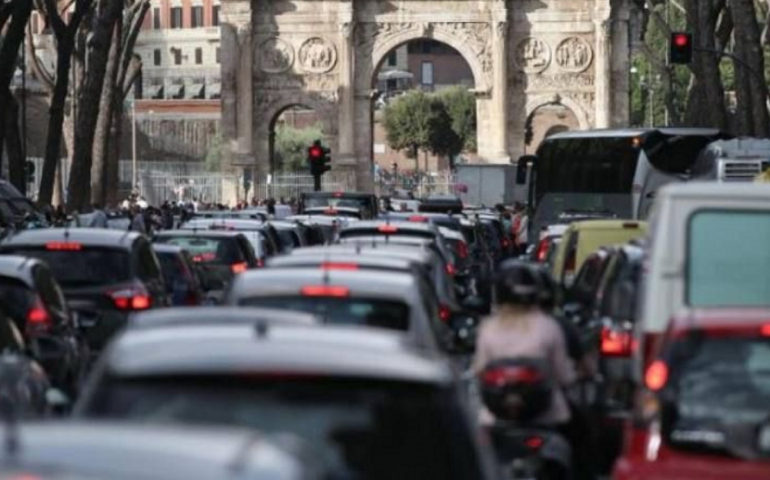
[
  {"x": 498, "y": 110},
  {"x": 347, "y": 128}
]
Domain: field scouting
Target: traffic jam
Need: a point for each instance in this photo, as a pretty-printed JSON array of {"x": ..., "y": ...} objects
[{"x": 615, "y": 324}]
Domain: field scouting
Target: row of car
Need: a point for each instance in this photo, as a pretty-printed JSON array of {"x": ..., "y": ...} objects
[{"x": 678, "y": 322}]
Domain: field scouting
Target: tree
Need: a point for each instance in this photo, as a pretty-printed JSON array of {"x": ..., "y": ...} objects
[
  {"x": 460, "y": 103},
  {"x": 291, "y": 146},
  {"x": 420, "y": 122}
]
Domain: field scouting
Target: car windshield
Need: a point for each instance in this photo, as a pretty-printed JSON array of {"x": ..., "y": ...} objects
[
  {"x": 359, "y": 429},
  {"x": 222, "y": 250},
  {"x": 342, "y": 311},
  {"x": 15, "y": 298},
  {"x": 718, "y": 273},
  {"x": 84, "y": 267},
  {"x": 336, "y": 202},
  {"x": 719, "y": 382},
  {"x": 389, "y": 231}
]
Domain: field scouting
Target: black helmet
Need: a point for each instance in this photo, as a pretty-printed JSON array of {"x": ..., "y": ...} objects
[
  {"x": 518, "y": 283},
  {"x": 516, "y": 389}
]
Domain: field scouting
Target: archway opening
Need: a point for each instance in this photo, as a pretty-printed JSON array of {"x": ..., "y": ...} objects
[
  {"x": 292, "y": 131},
  {"x": 422, "y": 86},
  {"x": 548, "y": 120}
]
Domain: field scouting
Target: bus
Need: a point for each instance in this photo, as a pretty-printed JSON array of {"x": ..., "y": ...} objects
[{"x": 611, "y": 173}]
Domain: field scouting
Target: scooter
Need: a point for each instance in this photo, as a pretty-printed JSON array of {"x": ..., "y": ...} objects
[{"x": 516, "y": 392}]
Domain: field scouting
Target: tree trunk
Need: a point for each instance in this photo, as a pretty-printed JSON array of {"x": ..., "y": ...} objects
[
  {"x": 13, "y": 146},
  {"x": 752, "y": 89},
  {"x": 56, "y": 112},
  {"x": 104, "y": 122},
  {"x": 89, "y": 105}
]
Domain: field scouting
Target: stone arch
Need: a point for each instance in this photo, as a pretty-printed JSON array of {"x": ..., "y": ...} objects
[
  {"x": 381, "y": 49},
  {"x": 550, "y": 99}
]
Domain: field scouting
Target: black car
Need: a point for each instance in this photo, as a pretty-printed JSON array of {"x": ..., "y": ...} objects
[
  {"x": 220, "y": 255},
  {"x": 34, "y": 301},
  {"x": 183, "y": 283},
  {"x": 106, "y": 274},
  {"x": 367, "y": 404}
]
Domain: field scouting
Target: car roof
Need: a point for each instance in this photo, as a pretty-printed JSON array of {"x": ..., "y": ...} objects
[
  {"x": 387, "y": 249},
  {"x": 337, "y": 195},
  {"x": 18, "y": 267},
  {"x": 226, "y": 222},
  {"x": 331, "y": 350},
  {"x": 632, "y": 132},
  {"x": 165, "y": 248},
  {"x": 714, "y": 190},
  {"x": 450, "y": 234},
  {"x": 405, "y": 226},
  {"x": 607, "y": 225},
  {"x": 209, "y": 316},
  {"x": 199, "y": 233},
  {"x": 282, "y": 281},
  {"x": 723, "y": 319},
  {"x": 327, "y": 256},
  {"x": 139, "y": 451},
  {"x": 91, "y": 237}
]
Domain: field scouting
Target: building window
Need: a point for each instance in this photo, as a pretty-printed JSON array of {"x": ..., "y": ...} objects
[
  {"x": 218, "y": 61},
  {"x": 215, "y": 15},
  {"x": 198, "y": 56},
  {"x": 427, "y": 73},
  {"x": 176, "y": 17},
  {"x": 197, "y": 17},
  {"x": 392, "y": 59},
  {"x": 156, "y": 18},
  {"x": 156, "y": 58},
  {"x": 177, "y": 53}
]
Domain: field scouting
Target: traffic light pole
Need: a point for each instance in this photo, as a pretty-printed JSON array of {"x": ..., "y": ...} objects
[{"x": 316, "y": 183}]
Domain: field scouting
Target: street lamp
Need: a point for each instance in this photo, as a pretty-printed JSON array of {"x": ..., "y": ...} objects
[{"x": 133, "y": 143}]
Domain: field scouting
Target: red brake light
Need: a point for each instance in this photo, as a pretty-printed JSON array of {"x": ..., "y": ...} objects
[
  {"x": 324, "y": 291},
  {"x": 542, "y": 250},
  {"x": 337, "y": 194},
  {"x": 239, "y": 267},
  {"x": 462, "y": 250},
  {"x": 131, "y": 298},
  {"x": 418, "y": 218},
  {"x": 204, "y": 257},
  {"x": 339, "y": 266},
  {"x": 38, "y": 318},
  {"x": 387, "y": 229},
  {"x": 64, "y": 246},
  {"x": 534, "y": 443},
  {"x": 501, "y": 376},
  {"x": 443, "y": 313},
  {"x": 616, "y": 344},
  {"x": 656, "y": 376},
  {"x": 765, "y": 330},
  {"x": 450, "y": 269}
]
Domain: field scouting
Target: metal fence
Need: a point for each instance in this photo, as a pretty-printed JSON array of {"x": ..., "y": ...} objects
[{"x": 419, "y": 183}]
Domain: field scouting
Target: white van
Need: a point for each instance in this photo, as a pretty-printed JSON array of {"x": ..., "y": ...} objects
[{"x": 709, "y": 248}]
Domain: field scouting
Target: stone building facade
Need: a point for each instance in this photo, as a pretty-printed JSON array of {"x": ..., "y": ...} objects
[{"x": 524, "y": 55}]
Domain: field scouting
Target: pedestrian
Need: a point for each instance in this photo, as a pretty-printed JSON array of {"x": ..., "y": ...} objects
[
  {"x": 98, "y": 218},
  {"x": 137, "y": 220}
]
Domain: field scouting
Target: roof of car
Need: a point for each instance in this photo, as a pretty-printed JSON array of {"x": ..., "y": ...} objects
[
  {"x": 377, "y": 247},
  {"x": 728, "y": 319},
  {"x": 400, "y": 226},
  {"x": 282, "y": 281},
  {"x": 337, "y": 195},
  {"x": 18, "y": 267},
  {"x": 198, "y": 233},
  {"x": 714, "y": 190},
  {"x": 331, "y": 350},
  {"x": 211, "y": 316},
  {"x": 92, "y": 237},
  {"x": 166, "y": 248},
  {"x": 632, "y": 132},
  {"x": 125, "y": 451},
  {"x": 224, "y": 222},
  {"x": 329, "y": 258},
  {"x": 607, "y": 225}
]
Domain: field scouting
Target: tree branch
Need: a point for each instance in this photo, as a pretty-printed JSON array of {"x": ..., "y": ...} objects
[
  {"x": 132, "y": 73},
  {"x": 54, "y": 18},
  {"x": 40, "y": 72}
]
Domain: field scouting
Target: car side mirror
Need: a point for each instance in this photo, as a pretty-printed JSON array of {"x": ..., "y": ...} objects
[
  {"x": 522, "y": 168},
  {"x": 463, "y": 330}
]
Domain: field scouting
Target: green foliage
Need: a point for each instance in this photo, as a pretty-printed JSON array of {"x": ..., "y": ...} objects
[
  {"x": 461, "y": 106},
  {"x": 214, "y": 155},
  {"x": 419, "y": 121},
  {"x": 291, "y": 146}
]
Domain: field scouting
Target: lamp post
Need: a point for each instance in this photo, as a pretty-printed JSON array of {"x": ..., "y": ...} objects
[{"x": 133, "y": 143}]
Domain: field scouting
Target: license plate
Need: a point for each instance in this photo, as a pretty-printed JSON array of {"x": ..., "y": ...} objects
[{"x": 86, "y": 319}]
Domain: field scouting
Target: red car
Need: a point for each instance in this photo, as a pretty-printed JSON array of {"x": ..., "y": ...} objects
[{"x": 703, "y": 412}]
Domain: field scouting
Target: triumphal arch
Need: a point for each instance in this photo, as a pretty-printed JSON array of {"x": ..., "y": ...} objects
[{"x": 324, "y": 54}]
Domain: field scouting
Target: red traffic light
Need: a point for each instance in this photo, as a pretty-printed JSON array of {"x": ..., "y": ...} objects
[
  {"x": 315, "y": 152},
  {"x": 681, "y": 39}
]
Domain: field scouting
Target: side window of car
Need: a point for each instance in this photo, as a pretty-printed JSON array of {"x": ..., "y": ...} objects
[
  {"x": 11, "y": 340},
  {"x": 50, "y": 291},
  {"x": 247, "y": 249},
  {"x": 147, "y": 267}
]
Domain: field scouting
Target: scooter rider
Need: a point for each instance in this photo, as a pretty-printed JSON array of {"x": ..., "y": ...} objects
[{"x": 519, "y": 328}]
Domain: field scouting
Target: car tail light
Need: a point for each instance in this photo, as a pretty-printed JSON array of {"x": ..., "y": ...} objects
[
  {"x": 239, "y": 267},
  {"x": 462, "y": 250},
  {"x": 450, "y": 269},
  {"x": 656, "y": 376},
  {"x": 64, "y": 246},
  {"x": 542, "y": 250},
  {"x": 443, "y": 313},
  {"x": 339, "y": 266},
  {"x": 324, "y": 291},
  {"x": 534, "y": 443},
  {"x": 130, "y": 298},
  {"x": 616, "y": 343},
  {"x": 204, "y": 257},
  {"x": 38, "y": 318},
  {"x": 500, "y": 376},
  {"x": 765, "y": 330},
  {"x": 418, "y": 218},
  {"x": 387, "y": 229}
]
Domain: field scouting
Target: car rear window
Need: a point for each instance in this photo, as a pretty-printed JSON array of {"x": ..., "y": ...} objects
[
  {"x": 727, "y": 259},
  {"x": 358, "y": 429},
  {"x": 85, "y": 266},
  {"x": 717, "y": 383},
  {"x": 16, "y": 299},
  {"x": 173, "y": 268},
  {"x": 221, "y": 250},
  {"x": 342, "y": 311}
]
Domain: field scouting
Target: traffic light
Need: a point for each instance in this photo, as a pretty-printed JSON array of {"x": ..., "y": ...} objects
[
  {"x": 680, "y": 48},
  {"x": 319, "y": 158}
]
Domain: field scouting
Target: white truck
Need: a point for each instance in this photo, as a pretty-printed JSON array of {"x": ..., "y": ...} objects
[{"x": 736, "y": 160}]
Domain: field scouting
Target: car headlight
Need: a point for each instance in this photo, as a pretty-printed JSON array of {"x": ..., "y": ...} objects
[{"x": 764, "y": 438}]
